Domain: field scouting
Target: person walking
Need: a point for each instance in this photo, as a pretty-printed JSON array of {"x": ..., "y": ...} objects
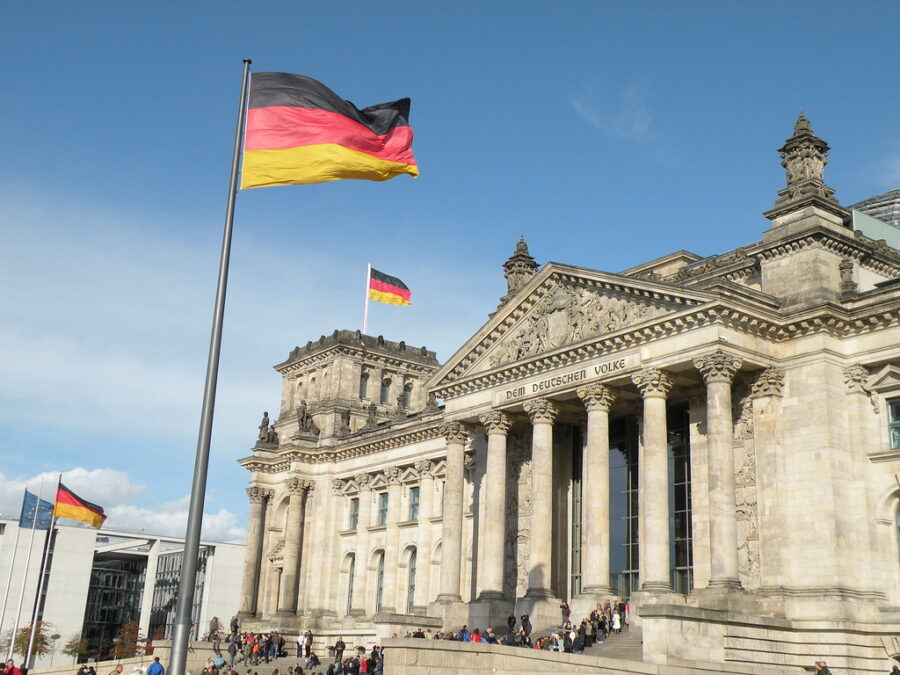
[
  {"x": 232, "y": 652},
  {"x": 156, "y": 668},
  {"x": 339, "y": 648}
]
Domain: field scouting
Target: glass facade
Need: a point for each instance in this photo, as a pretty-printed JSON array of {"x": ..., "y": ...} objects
[
  {"x": 379, "y": 583},
  {"x": 114, "y": 599},
  {"x": 165, "y": 594},
  {"x": 624, "y": 562},
  {"x": 350, "y": 575},
  {"x": 577, "y": 453},
  {"x": 354, "y": 514},
  {"x": 411, "y": 582},
  {"x": 382, "y": 508},
  {"x": 681, "y": 554}
]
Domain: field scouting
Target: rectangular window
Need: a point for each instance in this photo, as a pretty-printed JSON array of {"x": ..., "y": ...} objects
[
  {"x": 893, "y": 406},
  {"x": 354, "y": 514},
  {"x": 382, "y": 508},
  {"x": 414, "y": 503}
]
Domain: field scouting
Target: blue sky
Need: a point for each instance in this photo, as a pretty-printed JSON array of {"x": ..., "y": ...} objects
[{"x": 607, "y": 133}]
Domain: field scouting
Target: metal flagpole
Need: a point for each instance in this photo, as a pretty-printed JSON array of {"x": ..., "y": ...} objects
[
  {"x": 12, "y": 641},
  {"x": 12, "y": 565},
  {"x": 37, "y": 599},
  {"x": 182, "y": 627},
  {"x": 366, "y": 304}
]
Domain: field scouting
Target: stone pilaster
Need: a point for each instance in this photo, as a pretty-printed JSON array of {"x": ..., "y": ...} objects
[
  {"x": 361, "y": 567},
  {"x": 456, "y": 434},
  {"x": 496, "y": 425},
  {"x": 288, "y": 593},
  {"x": 595, "y": 491},
  {"x": 767, "y": 392},
  {"x": 653, "y": 470},
  {"x": 718, "y": 370},
  {"x": 424, "y": 539},
  {"x": 253, "y": 552},
  {"x": 542, "y": 412},
  {"x": 392, "y": 541}
]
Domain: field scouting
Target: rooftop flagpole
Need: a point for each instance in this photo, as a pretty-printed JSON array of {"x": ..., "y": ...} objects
[
  {"x": 365, "y": 329},
  {"x": 181, "y": 632},
  {"x": 41, "y": 579},
  {"x": 12, "y": 641}
]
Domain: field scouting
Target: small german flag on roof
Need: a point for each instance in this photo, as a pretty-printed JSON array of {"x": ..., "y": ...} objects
[{"x": 299, "y": 131}]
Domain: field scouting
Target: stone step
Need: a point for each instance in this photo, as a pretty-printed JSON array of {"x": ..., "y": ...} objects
[{"x": 627, "y": 645}]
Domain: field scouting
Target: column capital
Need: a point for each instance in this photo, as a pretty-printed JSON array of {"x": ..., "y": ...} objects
[
  {"x": 855, "y": 377},
  {"x": 392, "y": 475},
  {"x": 541, "y": 410},
  {"x": 337, "y": 486},
  {"x": 257, "y": 495},
  {"x": 652, "y": 382},
  {"x": 424, "y": 468},
  {"x": 298, "y": 486},
  {"x": 718, "y": 366},
  {"x": 596, "y": 397},
  {"x": 769, "y": 382},
  {"x": 496, "y": 422},
  {"x": 455, "y": 432}
]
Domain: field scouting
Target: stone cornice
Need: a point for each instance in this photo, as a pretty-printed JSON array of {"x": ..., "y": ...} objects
[
  {"x": 370, "y": 359},
  {"x": 387, "y": 439},
  {"x": 829, "y": 319}
]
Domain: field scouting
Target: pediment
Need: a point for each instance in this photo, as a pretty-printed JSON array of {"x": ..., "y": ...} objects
[
  {"x": 886, "y": 379},
  {"x": 564, "y": 306}
]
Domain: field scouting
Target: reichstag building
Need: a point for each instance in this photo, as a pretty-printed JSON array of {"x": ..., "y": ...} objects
[{"x": 714, "y": 439}]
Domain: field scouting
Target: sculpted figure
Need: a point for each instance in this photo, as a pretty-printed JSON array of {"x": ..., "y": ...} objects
[
  {"x": 272, "y": 436},
  {"x": 264, "y": 428}
]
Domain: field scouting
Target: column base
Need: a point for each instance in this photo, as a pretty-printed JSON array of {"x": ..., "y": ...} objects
[
  {"x": 357, "y": 613},
  {"x": 286, "y": 612},
  {"x": 245, "y": 614},
  {"x": 491, "y": 595},
  {"x": 657, "y": 587},
  {"x": 447, "y": 598},
  {"x": 732, "y": 584}
]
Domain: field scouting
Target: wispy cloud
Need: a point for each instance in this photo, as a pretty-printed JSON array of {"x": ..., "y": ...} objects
[{"x": 625, "y": 114}]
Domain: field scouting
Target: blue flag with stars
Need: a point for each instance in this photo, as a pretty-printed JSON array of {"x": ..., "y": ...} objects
[{"x": 31, "y": 504}]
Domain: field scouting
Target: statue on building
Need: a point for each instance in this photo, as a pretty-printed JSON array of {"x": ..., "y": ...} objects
[
  {"x": 345, "y": 422},
  {"x": 272, "y": 436},
  {"x": 264, "y": 428},
  {"x": 371, "y": 419},
  {"x": 305, "y": 423}
]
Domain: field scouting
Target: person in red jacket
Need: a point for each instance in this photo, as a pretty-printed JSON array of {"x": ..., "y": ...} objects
[{"x": 11, "y": 669}]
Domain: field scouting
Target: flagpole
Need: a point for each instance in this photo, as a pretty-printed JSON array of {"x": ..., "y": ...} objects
[
  {"x": 37, "y": 599},
  {"x": 182, "y": 625},
  {"x": 12, "y": 565},
  {"x": 12, "y": 641},
  {"x": 365, "y": 329}
]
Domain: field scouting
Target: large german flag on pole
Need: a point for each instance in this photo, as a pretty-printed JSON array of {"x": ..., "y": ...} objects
[
  {"x": 299, "y": 131},
  {"x": 387, "y": 289},
  {"x": 70, "y": 505}
]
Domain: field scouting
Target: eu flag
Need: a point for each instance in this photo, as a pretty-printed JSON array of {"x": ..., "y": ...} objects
[{"x": 40, "y": 520}]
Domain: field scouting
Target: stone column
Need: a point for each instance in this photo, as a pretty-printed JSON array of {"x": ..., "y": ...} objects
[
  {"x": 423, "y": 542},
  {"x": 293, "y": 536},
  {"x": 595, "y": 492},
  {"x": 392, "y": 541},
  {"x": 253, "y": 552},
  {"x": 718, "y": 371},
  {"x": 497, "y": 426},
  {"x": 361, "y": 565},
  {"x": 653, "y": 479},
  {"x": 542, "y": 412},
  {"x": 451, "y": 531}
]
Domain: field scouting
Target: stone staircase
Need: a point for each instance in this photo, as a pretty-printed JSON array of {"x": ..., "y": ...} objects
[{"x": 626, "y": 646}]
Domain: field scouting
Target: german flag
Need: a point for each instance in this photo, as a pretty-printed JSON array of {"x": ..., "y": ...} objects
[
  {"x": 70, "y": 505},
  {"x": 299, "y": 131},
  {"x": 386, "y": 289}
]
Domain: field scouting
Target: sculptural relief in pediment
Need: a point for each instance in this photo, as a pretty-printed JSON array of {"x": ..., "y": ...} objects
[{"x": 569, "y": 314}]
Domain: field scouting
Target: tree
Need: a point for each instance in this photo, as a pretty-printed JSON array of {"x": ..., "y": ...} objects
[
  {"x": 43, "y": 644},
  {"x": 77, "y": 648},
  {"x": 129, "y": 641},
  {"x": 158, "y": 634}
]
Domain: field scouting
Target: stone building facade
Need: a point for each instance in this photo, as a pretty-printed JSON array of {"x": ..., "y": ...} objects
[{"x": 716, "y": 439}]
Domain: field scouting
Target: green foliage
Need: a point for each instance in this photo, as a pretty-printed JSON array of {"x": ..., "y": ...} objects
[
  {"x": 77, "y": 648},
  {"x": 42, "y": 642}
]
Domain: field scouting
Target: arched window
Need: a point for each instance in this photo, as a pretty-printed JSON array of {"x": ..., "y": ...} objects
[
  {"x": 385, "y": 390},
  {"x": 350, "y": 574},
  {"x": 311, "y": 392},
  {"x": 411, "y": 583},
  {"x": 363, "y": 384},
  {"x": 407, "y": 395},
  {"x": 379, "y": 582}
]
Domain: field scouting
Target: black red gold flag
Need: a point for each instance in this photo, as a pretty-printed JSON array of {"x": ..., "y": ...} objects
[
  {"x": 299, "y": 131},
  {"x": 70, "y": 505},
  {"x": 387, "y": 289}
]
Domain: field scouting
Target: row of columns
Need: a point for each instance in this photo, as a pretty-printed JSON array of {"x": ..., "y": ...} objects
[{"x": 718, "y": 370}]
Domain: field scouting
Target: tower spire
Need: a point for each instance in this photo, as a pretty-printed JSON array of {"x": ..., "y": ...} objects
[
  {"x": 804, "y": 156},
  {"x": 518, "y": 270}
]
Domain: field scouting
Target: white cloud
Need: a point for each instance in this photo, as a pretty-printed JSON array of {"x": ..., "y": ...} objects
[{"x": 119, "y": 494}]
